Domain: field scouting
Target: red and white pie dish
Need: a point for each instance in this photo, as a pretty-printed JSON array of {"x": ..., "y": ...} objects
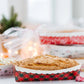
[
  {"x": 24, "y": 74},
  {"x": 67, "y": 37}
]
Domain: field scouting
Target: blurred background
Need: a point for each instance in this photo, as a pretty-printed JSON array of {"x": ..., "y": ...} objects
[{"x": 58, "y": 12}]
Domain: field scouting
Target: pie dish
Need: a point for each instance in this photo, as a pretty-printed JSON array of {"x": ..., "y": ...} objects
[
  {"x": 5, "y": 67},
  {"x": 64, "y": 37},
  {"x": 46, "y": 68},
  {"x": 69, "y": 51},
  {"x": 45, "y": 63}
]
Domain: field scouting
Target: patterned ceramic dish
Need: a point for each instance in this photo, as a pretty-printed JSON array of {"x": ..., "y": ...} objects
[
  {"x": 46, "y": 67},
  {"x": 24, "y": 74},
  {"x": 69, "y": 37},
  {"x": 75, "y": 51},
  {"x": 6, "y": 70}
]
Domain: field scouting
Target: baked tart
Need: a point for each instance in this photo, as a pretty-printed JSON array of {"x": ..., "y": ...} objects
[
  {"x": 42, "y": 68},
  {"x": 47, "y": 62}
]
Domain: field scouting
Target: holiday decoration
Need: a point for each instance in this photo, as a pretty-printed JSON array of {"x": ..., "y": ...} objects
[
  {"x": 28, "y": 43},
  {"x": 11, "y": 22},
  {"x": 31, "y": 49}
]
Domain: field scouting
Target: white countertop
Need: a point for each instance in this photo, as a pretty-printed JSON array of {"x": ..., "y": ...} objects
[{"x": 11, "y": 80}]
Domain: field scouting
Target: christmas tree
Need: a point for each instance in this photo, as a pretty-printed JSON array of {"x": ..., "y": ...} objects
[{"x": 11, "y": 22}]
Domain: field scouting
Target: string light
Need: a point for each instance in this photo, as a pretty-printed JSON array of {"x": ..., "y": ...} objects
[
  {"x": 9, "y": 51},
  {"x": 31, "y": 49},
  {"x": 1, "y": 55}
]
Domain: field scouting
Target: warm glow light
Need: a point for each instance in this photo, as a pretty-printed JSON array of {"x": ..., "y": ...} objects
[
  {"x": 31, "y": 49},
  {"x": 35, "y": 44},
  {"x": 1, "y": 55},
  {"x": 16, "y": 52},
  {"x": 9, "y": 51},
  {"x": 3, "y": 51},
  {"x": 35, "y": 54}
]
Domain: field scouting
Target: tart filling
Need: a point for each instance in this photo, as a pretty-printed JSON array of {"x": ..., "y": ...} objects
[{"x": 47, "y": 62}]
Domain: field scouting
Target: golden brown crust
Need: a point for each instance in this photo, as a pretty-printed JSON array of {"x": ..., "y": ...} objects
[{"x": 47, "y": 63}]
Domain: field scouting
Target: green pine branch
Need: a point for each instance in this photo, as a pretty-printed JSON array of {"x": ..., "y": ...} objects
[{"x": 11, "y": 22}]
